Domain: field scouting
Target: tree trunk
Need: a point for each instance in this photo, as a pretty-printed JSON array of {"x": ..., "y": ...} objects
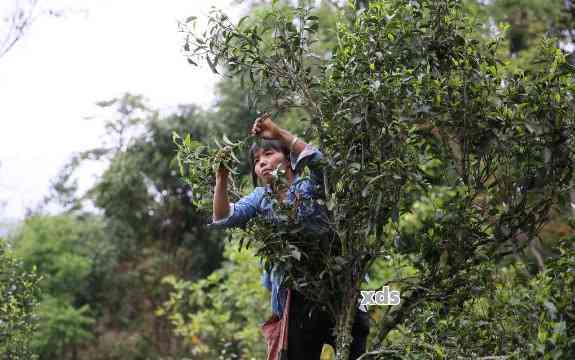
[
  {"x": 343, "y": 325},
  {"x": 572, "y": 198}
]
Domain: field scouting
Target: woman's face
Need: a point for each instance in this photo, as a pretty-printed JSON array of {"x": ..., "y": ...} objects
[{"x": 266, "y": 161}]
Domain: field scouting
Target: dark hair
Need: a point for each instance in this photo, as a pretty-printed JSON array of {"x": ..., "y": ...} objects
[{"x": 265, "y": 144}]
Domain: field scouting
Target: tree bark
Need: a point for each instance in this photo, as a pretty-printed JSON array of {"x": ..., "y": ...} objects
[
  {"x": 343, "y": 326},
  {"x": 572, "y": 198}
]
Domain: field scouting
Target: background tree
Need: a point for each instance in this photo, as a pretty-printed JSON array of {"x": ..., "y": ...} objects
[
  {"x": 219, "y": 316},
  {"x": 75, "y": 260},
  {"x": 529, "y": 20},
  {"x": 146, "y": 212},
  {"x": 21, "y": 14},
  {"x": 19, "y": 294}
]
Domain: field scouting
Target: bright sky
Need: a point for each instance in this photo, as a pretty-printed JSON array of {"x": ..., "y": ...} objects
[{"x": 100, "y": 49}]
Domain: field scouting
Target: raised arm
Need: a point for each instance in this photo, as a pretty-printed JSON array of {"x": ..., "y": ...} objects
[
  {"x": 221, "y": 206},
  {"x": 267, "y": 129},
  {"x": 301, "y": 153},
  {"x": 295, "y": 144},
  {"x": 226, "y": 214}
]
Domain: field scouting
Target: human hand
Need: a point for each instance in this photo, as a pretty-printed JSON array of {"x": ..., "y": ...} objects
[
  {"x": 264, "y": 127},
  {"x": 222, "y": 172},
  {"x": 221, "y": 162}
]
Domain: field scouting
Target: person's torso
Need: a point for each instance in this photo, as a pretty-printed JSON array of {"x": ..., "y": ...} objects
[{"x": 302, "y": 196}]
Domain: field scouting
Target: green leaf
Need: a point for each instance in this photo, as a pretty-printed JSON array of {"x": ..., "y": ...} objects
[
  {"x": 227, "y": 140},
  {"x": 175, "y": 136},
  {"x": 354, "y": 167},
  {"x": 340, "y": 260},
  {"x": 234, "y": 157},
  {"x": 551, "y": 308},
  {"x": 180, "y": 165},
  {"x": 242, "y": 20},
  {"x": 212, "y": 65},
  {"x": 365, "y": 190}
]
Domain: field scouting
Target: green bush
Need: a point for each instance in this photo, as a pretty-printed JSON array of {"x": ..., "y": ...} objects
[{"x": 19, "y": 295}]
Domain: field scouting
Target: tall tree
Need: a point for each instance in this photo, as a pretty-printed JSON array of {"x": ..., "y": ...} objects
[
  {"x": 147, "y": 213},
  {"x": 75, "y": 259},
  {"x": 412, "y": 109}
]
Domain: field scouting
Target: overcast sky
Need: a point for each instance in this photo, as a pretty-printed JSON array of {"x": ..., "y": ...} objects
[{"x": 98, "y": 50}]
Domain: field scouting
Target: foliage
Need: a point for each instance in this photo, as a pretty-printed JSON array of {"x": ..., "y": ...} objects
[
  {"x": 139, "y": 192},
  {"x": 219, "y": 316},
  {"x": 148, "y": 214},
  {"x": 277, "y": 64},
  {"x": 413, "y": 103},
  {"x": 198, "y": 164},
  {"x": 19, "y": 295},
  {"x": 62, "y": 328},
  {"x": 530, "y": 19},
  {"x": 446, "y": 157},
  {"x": 75, "y": 260},
  {"x": 68, "y": 250},
  {"x": 515, "y": 316}
]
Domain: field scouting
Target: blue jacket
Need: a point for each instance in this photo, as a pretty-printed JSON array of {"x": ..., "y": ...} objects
[{"x": 312, "y": 216}]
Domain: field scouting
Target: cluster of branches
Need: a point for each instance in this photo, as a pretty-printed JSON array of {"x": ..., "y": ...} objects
[{"x": 16, "y": 23}]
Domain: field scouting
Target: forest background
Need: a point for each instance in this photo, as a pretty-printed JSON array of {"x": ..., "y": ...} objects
[{"x": 146, "y": 279}]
